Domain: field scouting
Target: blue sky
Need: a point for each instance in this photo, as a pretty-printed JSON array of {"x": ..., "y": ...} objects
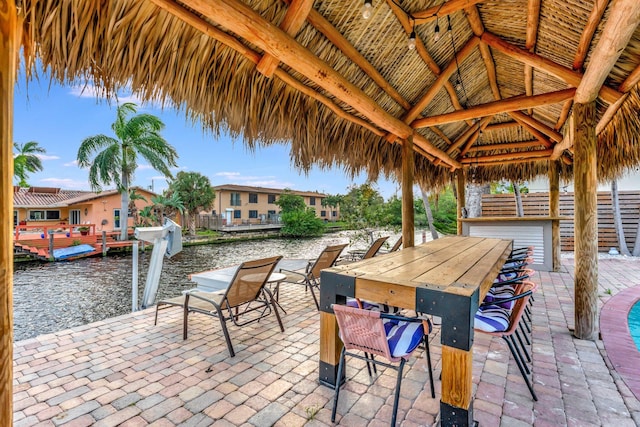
[{"x": 60, "y": 117}]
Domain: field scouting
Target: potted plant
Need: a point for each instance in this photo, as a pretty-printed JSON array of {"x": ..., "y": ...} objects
[{"x": 83, "y": 230}]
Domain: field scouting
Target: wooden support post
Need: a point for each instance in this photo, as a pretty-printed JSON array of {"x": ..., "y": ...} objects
[
  {"x": 554, "y": 212},
  {"x": 586, "y": 221},
  {"x": 407, "y": 194},
  {"x": 104, "y": 243},
  {"x": 460, "y": 196},
  {"x": 9, "y": 43},
  {"x": 51, "y": 245}
]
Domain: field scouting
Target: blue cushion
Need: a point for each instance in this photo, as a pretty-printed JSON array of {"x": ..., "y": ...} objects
[
  {"x": 492, "y": 319},
  {"x": 403, "y": 337},
  {"x": 503, "y": 277},
  {"x": 366, "y": 305},
  {"x": 496, "y": 296}
]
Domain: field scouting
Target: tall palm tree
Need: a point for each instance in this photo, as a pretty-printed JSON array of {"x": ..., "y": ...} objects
[
  {"x": 26, "y": 160},
  {"x": 115, "y": 160}
]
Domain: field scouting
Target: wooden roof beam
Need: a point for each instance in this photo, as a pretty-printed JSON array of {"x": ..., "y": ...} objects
[
  {"x": 505, "y": 146},
  {"x": 535, "y": 132},
  {"x": 206, "y": 28},
  {"x": 566, "y": 108},
  {"x": 292, "y": 22},
  {"x": 245, "y": 22},
  {"x": 401, "y": 16},
  {"x": 444, "y": 9},
  {"x": 506, "y": 162},
  {"x": 468, "y": 134},
  {"x": 496, "y": 107},
  {"x": 462, "y": 54},
  {"x": 541, "y": 127},
  {"x": 321, "y": 24},
  {"x": 533, "y": 20},
  {"x": 473, "y": 139},
  {"x": 503, "y": 125},
  {"x": 621, "y": 24},
  {"x": 631, "y": 80},
  {"x": 599, "y": 7},
  {"x": 572, "y": 78},
  {"x": 528, "y": 155}
]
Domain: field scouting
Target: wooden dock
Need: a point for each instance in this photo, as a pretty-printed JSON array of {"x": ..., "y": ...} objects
[{"x": 40, "y": 242}]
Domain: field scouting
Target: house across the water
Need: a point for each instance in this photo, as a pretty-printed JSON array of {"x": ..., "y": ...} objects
[{"x": 50, "y": 206}]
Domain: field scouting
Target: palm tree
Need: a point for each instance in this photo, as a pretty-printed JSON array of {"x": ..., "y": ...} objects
[
  {"x": 133, "y": 196},
  {"x": 26, "y": 161},
  {"x": 115, "y": 160},
  {"x": 194, "y": 191},
  {"x": 171, "y": 201}
]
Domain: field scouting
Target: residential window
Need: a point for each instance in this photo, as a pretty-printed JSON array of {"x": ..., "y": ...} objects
[
  {"x": 116, "y": 219},
  {"x": 271, "y": 214},
  {"x": 323, "y": 213},
  {"x": 312, "y": 201},
  {"x": 253, "y": 214},
  {"x": 43, "y": 215},
  {"x": 15, "y": 218},
  {"x": 235, "y": 200},
  {"x": 271, "y": 198},
  {"x": 253, "y": 198},
  {"x": 74, "y": 216},
  {"x": 334, "y": 213},
  {"x": 237, "y": 213}
]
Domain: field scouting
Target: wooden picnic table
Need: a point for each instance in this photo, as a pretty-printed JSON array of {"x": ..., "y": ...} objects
[{"x": 446, "y": 277}]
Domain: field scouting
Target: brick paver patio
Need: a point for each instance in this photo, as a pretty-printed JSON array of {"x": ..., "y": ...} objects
[{"x": 125, "y": 371}]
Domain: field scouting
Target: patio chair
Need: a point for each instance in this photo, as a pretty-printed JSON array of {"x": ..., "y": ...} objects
[
  {"x": 374, "y": 333},
  {"x": 310, "y": 277},
  {"x": 359, "y": 254},
  {"x": 394, "y": 248},
  {"x": 500, "y": 322},
  {"x": 245, "y": 298}
]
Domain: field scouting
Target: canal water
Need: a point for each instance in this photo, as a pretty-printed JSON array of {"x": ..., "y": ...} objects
[{"x": 50, "y": 297}]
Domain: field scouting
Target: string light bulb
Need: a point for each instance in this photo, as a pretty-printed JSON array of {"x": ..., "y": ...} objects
[
  {"x": 411, "y": 44},
  {"x": 366, "y": 9},
  {"x": 436, "y": 32}
]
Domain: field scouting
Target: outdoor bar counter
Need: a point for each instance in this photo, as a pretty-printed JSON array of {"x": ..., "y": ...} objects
[
  {"x": 446, "y": 277},
  {"x": 536, "y": 231}
]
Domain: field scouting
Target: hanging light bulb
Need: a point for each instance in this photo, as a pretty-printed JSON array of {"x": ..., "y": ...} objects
[
  {"x": 436, "y": 32},
  {"x": 458, "y": 84},
  {"x": 366, "y": 9},
  {"x": 411, "y": 44}
]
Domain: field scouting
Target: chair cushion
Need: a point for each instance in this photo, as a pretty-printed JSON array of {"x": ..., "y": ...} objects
[
  {"x": 367, "y": 305},
  {"x": 492, "y": 319},
  {"x": 495, "y": 297},
  {"x": 403, "y": 337}
]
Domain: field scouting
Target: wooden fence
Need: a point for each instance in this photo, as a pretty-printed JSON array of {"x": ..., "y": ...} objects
[{"x": 536, "y": 204}]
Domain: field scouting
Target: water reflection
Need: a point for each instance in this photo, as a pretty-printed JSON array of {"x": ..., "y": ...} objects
[{"x": 54, "y": 296}]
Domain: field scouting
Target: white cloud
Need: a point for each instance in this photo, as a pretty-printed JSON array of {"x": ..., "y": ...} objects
[
  {"x": 46, "y": 157},
  {"x": 73, "y": 163},
  {"x": 228, "y": 174},
  {"x": 90, "y": 91},
  {"x": 144, "y": 167},
  {"x": 66, "y": 183}
]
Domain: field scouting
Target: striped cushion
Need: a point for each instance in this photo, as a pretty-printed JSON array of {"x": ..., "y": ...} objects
[
  {"x": 492, "y": 319},
  {"x": 403, "y": 337},
  {"x": 366, "y": 305},
  {"x": 503, "y": 277},
  {"x": 495, "y": 296}
]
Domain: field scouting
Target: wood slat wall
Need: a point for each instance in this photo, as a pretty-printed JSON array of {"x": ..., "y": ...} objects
[{"x": 536, "y": 204}]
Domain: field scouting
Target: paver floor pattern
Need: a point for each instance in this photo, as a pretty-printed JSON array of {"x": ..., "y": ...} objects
[{"x": 126, "y": 371}]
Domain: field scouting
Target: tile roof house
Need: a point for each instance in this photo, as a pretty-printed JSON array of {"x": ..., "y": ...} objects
[{"x": 46, "y": 206}]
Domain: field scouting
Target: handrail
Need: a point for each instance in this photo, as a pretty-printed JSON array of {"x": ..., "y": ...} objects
[{"x": 45, "y": 230}]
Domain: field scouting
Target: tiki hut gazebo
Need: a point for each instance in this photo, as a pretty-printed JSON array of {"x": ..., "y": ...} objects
[{"x": 427, "y": 91}]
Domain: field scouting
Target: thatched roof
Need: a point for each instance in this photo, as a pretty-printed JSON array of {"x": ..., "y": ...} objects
[{"x": 343, "y": 83}]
